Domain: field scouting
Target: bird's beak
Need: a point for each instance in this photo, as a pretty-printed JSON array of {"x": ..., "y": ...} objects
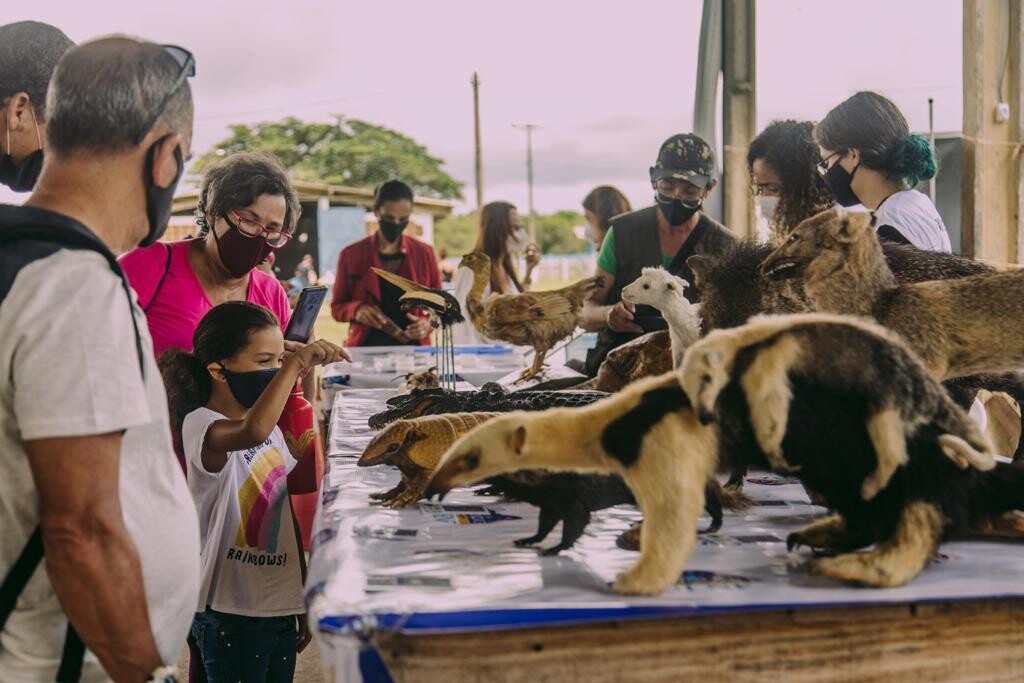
[{"x": 398, "y": 281}]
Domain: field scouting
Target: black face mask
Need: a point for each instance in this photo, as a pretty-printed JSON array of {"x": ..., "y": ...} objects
[
  {"x": 838, "y": 181},
  {"x": 247, "y": 387},
  {"x": 21, "y": 177},
  {"x": 391, "y": 230},
  {"x": 676, "y": 211},
  {"x": 159, "y": 199}
]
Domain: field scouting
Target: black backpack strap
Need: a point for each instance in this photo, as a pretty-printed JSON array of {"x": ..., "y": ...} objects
[
  {"x": 167, "y": 269},
  {"x": 14, "y": 583},
  {"x": 18, "y": 577},
  {"x": 689, "y": 246}
]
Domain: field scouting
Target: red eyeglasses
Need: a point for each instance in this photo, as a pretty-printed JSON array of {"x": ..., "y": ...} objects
[{"x": 250, "y": 228}]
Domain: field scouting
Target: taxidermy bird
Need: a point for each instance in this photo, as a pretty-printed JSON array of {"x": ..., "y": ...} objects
[
  {"x": 537, "y": 319},
  {"x": 444, "y": 311}
]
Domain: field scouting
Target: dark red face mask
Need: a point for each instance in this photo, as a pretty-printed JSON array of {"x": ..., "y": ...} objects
[{"x": 240, "y": 253}]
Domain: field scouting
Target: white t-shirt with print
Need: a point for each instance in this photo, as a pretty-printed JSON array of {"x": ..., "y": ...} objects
[
  {"x": 69, "y": 367},
  {"x": 916, "y": 218},
  {"x": 250, "y": 562}
]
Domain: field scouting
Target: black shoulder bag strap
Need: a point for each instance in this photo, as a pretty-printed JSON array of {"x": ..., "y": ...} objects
[
  {"x": 17, "y": 578},
  {"x": 167, "y": 269},
  {"x": 689, "y": 246}
]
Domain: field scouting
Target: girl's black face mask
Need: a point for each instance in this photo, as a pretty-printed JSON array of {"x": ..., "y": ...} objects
[
  {"x": 247, "y": 387},
  {"x": 392, "y": 230}
]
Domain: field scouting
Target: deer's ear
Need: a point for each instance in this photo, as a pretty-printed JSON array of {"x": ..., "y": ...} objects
[
  {"x": 699, "y": 266},
  {"x": 851, "y": 225}
]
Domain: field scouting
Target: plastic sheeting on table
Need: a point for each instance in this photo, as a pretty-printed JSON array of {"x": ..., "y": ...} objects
[{"x": 453, "y": 567}]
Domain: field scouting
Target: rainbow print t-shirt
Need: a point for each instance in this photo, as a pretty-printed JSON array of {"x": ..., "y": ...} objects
[{"x": 249, "y": 552}]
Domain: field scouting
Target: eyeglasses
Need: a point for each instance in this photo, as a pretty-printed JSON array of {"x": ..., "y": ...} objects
[
  {"x": 250, "y": 228},
  {"x": 823, "y": 165},
  {"x": 679, "y": 189},
  {"x": 187, "y": 62}
]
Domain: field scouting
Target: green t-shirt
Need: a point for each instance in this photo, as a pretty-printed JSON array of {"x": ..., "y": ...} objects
[{"x": 606, "y": 257}]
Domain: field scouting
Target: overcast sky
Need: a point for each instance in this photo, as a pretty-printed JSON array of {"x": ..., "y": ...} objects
[{"x": 607, "y": 80}]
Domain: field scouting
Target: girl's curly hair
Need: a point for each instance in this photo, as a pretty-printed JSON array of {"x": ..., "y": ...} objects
[{"x": 789, "y": 148}]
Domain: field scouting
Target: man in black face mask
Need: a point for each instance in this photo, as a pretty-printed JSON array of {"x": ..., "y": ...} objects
[
  {"x": 665, "y": 235},
  {"x": 29, "y": 51},
  {"x": 91, "y": 485}
]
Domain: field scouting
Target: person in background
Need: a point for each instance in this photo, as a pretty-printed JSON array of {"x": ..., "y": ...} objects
[
  {"x": 85, "y": 446},
  {"x": 226, "y": 398},
  {"x": 665, "y": 235},
  {"x": 362, "y": 299},
  {"x": 29, "y": 52},
  {"x": 870, "y": 157},
  {"x": 305, "y": 271},
  {"x": 600, "y": 205},
  {"x": 782, "y": 161},
  {"x": 500, "y": 236},
  {"x": 447, "y": 272}
]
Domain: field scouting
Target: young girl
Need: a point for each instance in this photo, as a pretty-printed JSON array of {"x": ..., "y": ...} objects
[{"x": 228, "y": 395}]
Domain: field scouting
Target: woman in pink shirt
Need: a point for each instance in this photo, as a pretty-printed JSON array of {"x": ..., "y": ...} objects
[{"x": 247, "y": 209}]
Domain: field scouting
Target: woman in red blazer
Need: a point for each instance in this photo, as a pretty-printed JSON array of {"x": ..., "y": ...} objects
[{"x": 369, "y": 304}]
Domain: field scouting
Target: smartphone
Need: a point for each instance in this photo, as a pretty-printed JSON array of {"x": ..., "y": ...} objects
[{"x": 300, "y": 327}]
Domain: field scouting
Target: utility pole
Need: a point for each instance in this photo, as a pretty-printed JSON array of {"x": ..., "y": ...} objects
[
  {"x": 528, "y": 127},
  {"x": 476, "y": 132}
]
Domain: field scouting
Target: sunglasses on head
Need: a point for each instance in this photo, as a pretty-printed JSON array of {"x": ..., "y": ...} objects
[{"x": 187, "y": 63}]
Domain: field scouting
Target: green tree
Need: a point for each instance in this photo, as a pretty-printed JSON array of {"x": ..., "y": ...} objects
[{"x": 353, "y": 152}]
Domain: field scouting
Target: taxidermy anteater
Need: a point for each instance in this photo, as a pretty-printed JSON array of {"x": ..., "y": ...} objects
[
  {"x": 850, "y": 353},
  {"x": 569, "y": 498},
  {"x": 734, "y": 288},
  {"x": 650, "y": 435}
]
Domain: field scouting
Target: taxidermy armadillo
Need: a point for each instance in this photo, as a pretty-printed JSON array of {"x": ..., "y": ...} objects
[
  {"x": 491, "y": 398},
  {"x": 415, "y": 447}
]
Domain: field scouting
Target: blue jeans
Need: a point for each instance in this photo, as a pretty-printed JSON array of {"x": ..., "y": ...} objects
[{"x": 239, "y": 649}]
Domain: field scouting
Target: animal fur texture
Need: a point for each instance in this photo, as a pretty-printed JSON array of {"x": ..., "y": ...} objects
[
  {"x": 566, "y": 497},
  {"x": 660, "y": 289},
  {"x": 733, "y": 289},
  {"x": 537, "y": 319},
  {"x": 841, "y": 351},
  {"x": 650, "y": 435},
  {"x": 958, "y": 327},
  {"x": 664, "y": 455},
  {"x": 420, "y": 381},
  {"x": 415, "y": 447},
  {"x": 648, "y": 355}
]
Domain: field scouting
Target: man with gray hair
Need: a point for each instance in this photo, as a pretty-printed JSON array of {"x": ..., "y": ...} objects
[
  {"x": 91, "y": 485},
  {"x": 29, "y": 52}
]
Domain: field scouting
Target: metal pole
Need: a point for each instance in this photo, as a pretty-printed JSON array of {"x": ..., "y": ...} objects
[
  {"x": 476, "y": 132},
  {"x": 531, "y": 222},
  {"x": 931, "y": 138}
]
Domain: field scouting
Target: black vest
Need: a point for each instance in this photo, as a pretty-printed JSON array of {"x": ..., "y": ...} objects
[{"x": 637, "y": 246}]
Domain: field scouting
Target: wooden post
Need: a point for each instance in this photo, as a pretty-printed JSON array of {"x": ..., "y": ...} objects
[
  {"x": 479, "y": 164},
  {"x": 991, "y": 167},
  {"x": 739, "y": 113}
]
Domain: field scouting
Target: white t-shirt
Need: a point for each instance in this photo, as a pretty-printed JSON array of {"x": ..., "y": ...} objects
[
  {"x": 250, "y": 562},
  {"x": 69, "y": 367},
  {"x": 916, "y": 218}
]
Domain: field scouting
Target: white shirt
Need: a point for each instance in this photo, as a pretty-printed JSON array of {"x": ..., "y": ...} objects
[
  {"x": 916, "y": 218},
  {"x": 250, "y": 556},
  {"x": 69, "y": 367}
]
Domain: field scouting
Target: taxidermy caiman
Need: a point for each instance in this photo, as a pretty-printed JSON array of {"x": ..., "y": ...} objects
[{"x": 490, "y": 398}]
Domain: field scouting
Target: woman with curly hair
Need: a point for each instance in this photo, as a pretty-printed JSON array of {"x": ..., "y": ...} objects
[
  {"x": 786, "y": 185},
  {"x": 870, "y": 157}
]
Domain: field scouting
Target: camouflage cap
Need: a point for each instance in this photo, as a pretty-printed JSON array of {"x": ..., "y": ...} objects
[{"x": 685, "y": 156}]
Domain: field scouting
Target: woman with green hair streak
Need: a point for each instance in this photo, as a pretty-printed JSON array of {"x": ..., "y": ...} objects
[{"x": 870, "y": 157}]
